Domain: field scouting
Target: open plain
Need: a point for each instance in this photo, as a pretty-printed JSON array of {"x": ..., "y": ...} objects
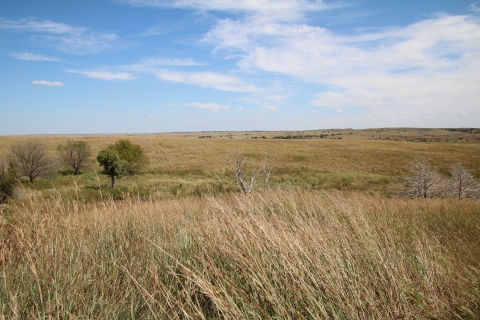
[{"x": 331, "y": 238}]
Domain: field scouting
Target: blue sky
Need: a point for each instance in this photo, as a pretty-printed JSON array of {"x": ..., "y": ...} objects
[{"x": 140, "y": 66}]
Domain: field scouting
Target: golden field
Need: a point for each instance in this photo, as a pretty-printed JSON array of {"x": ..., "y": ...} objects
[
  {"x": 184, "y": 164},
  {"x": 331, "y": 240}
]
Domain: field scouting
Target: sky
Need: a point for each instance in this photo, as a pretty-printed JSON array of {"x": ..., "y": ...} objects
[{"x": 146, "y": 66}]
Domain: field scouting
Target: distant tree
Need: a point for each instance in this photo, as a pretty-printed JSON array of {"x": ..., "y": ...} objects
[
  {"x": 31, "y": 160},
  {"x": 8, "y": 179},
  {"x": 112, "y": 164},
  {"x": 74, "y": 154},
  {"x": 266, "y": 171},
  {"x": 247, "y": 178},
  {"x": 133, "y": 154},
  {"x": 244, "y": 178},
  {"x": 423, "y": 181},
  {"x": 463, "y": 184}
]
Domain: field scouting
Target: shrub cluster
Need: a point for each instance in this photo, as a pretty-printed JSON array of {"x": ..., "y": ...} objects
[{"x": 8, "y": 179}]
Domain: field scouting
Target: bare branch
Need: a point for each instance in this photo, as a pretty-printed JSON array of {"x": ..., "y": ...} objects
[
  {"x": 75, "y": 154},
  {"x": 423, "y": 181},
  {"x": 463, "y": 184},
  {"x": 245, "y": 179},
  {"x": 266, "y": 171},
  {"x": 31, "y": 160}
]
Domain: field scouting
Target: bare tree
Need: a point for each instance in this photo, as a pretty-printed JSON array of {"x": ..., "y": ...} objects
[
  {"x": 74, "y": 154},
  {"x": 245, "y": 178},
  {"x": 463, "y": 184},
  {"x": 31, "y": 160},
  {"x": 266, "y": 171},
  {"x": 423, "y": 181}
]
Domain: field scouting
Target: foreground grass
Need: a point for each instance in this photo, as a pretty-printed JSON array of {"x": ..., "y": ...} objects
[{"x": 283, "y": 255}]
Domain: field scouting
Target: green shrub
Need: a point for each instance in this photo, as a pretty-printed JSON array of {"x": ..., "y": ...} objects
[
  {"x": 8, "y": 179},
  {"x": 133, "y": 154}
]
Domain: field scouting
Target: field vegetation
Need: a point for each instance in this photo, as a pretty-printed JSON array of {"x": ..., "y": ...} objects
[
  {"x": 182, "y": 164},
  {"x": 332, "y": 238}
]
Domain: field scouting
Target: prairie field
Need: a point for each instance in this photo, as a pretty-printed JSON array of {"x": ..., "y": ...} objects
[
  {"x": 183, "y": 164},
  {"x": 331, "y": 239}
]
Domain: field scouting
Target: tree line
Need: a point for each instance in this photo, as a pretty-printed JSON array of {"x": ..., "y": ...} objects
[
  {"x": 30, "y": 159},
  {"x": 424, "y": 181}
]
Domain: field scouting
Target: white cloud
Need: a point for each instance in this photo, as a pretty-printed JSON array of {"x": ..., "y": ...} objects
[
  {"x": 46, "y": 26},
  {"x": 104, "y": 75},
  {"x": 207, "y": 80},
  {"x": 62, "y": 36},
  {"x": 270, "y": 107},
  {"x": 155, "y": 31},
  {"x": 214, "y": 107},
  {"x": 234, "y": 5},
  {"x": 33, "y": 57},
  {"x": 149, "y": 65},
  {"x": 474, "y": 7},
  {"x": 48, "y": 83},
  {"x": 431, "y": 63}
]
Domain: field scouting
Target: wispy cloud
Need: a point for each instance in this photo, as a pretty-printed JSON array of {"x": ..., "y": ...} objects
[
  {"x": 432, "y": 62},
  {"x": 104, "y": 75},
  {"x": 214, "y": 107},
  {"x": 48, "y": 83},
  {"x": 208, "y": 80},
  {"x": 286, "y": 10},
  {"x": 46, "y": 26},
  {"x": 475, "y": 7},
  {"x": 33, "y": 57},
  {"x": 233, "y": 5},
  {"x": 156, "y": 30},
  {"x": 150, "y": 65},
  {"x": 270, "y": 107},
  {"x": 62, "y": 36}
]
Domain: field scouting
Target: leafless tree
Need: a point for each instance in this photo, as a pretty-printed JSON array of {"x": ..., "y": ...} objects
[
  {"x": 463, "y": 184},
  {"x": 74, "y": 154},
  {"x": 247, "y": 178},
  {"x": 266, "y": 171},
  {"x": 31, "y": 160},
  {"x": 244, "y": 177},
  {"x": 423, "y": 181}
]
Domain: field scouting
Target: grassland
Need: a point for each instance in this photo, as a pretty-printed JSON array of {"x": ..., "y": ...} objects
[
  {"x": 183, "y": 164},
  {"x": 331, "y": 240}
]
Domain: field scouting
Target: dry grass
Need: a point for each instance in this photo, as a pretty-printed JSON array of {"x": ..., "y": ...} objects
[
  {"x": 185, "y": 166},
  {"x": 280, "y": 255}
]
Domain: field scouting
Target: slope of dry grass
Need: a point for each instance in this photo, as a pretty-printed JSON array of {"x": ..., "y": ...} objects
[
  {"x": 281, "y": 255},
  {"x": 185, "y": 166}
]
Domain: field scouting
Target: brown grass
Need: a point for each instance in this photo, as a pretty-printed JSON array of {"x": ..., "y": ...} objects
[
  {"x": 282, "y": 255},
  {"x": 185, "y": 166}
]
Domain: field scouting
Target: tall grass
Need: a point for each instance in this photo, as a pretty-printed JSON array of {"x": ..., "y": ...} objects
[{"x": 281, "y": 255}]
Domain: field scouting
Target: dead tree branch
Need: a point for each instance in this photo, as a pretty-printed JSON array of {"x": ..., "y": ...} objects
[
  {"x": 423, "y": 181},
  {"x": 244, "y": 178},
  {"x": 463, "y": 184}
]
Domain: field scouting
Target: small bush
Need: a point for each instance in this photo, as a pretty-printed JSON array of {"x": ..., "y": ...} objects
[
  {"x": 132, "y": 153},
  {"x": 8, "y": 179}
]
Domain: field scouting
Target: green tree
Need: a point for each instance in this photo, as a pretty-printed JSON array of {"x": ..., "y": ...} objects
[
  {"x": 133, "y": 154},
  {"x": 112, "y": 164},
  {"x": 74, "y": 154},
  {"x": 8, "y": 179}
]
